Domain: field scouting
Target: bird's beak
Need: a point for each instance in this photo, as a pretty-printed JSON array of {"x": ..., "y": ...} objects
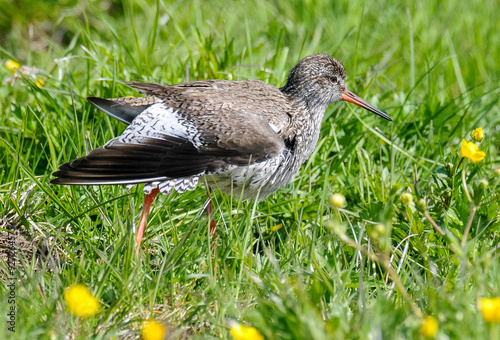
[{"x": 351, "y": 97}]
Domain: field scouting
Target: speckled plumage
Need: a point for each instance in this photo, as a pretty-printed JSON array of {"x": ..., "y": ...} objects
[{"x": 245, "y": 138}]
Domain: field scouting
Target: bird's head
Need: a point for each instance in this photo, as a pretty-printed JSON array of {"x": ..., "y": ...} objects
[{"x": 319, "y": 80}]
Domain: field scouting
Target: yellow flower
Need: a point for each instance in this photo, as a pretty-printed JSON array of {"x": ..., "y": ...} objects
[
  {"x": 240, "y": 332},
  {"x": 277, "y": 227},
  {"x": 337, "y": 200},
  {"x": 490, "y": 308},
  {"x": 477, "y": 135},
  {"x": 153, "y": 330},
  {"x": 407, "y": 198},
  {"x": 429, "y": 327},
  {"x": 12, "y": 65},
  {"x": 471, "y": 151},
  {"x": 40, "y": 82},
  {"x": 81, "y": 302}
]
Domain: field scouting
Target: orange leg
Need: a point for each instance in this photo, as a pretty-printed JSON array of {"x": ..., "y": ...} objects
[
  {"x": 144, "y": 218},
  {"x": 213, "y": 224}
]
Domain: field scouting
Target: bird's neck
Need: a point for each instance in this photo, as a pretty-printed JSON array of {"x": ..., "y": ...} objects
[
  {"x": 306, "y": 120},
  {"x": 315, "y": 104}
]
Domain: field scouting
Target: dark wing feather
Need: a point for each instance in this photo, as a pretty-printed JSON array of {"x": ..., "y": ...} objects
[
  {"x": 123, "y": 109},
  {"x": 123, "y": 163}
]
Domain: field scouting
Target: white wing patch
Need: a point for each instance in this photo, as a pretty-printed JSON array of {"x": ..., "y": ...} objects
[
  {"x": 157, "y": 121},
  {"x": 181, "y": 185}
]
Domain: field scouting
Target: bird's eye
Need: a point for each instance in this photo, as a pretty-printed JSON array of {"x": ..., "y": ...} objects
[{"x": 333, "y": 79}]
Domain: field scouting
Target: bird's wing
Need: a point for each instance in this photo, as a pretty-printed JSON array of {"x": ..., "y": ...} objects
[
  {"x": 178, "y": 136},
  {"x": 147, "y": 160},
  {"x": 123, "y": 109},
  {"x": 222, "y": 98}
]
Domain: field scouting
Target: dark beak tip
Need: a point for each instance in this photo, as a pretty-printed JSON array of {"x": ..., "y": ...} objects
[
  {"x": 385, "y": 116},
  {"x": 352, "y": 98}
]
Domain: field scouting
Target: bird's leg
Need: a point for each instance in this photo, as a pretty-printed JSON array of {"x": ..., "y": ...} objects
[
  {"x": 213, "y": 225},
  {"x": 144, "y": 217},
  {"x": 210, "y": 214}
]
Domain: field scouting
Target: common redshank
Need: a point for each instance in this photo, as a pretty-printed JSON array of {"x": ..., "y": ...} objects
[{"x": 245, "y": 138}]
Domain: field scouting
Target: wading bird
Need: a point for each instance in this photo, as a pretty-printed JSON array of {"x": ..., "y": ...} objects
[{"x": 245, "y": 138}]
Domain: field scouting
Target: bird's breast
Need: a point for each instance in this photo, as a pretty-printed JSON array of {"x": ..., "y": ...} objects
[{"x": 257, "y": 180}]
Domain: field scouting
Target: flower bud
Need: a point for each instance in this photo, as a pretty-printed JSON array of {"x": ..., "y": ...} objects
[
  {"x": 407, "y": 198},
  {"x": 421, "y": 204},
  {"x": 480, "y": 190},
  {"x": 449, "y": 168},
  {"x": 484, "y": 183},
  {"x": 477, "y": 135},
  {"x": 376, "y": 231},
  {"x": 337, "y": 200},
  {"x": 380, "y": 229}
]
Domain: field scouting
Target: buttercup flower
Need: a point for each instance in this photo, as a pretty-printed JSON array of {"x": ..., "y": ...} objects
[
  {"x": 490, "y": 308},
  {"x": 477, "y": 135},
  {"x": 81, "y": 302},
  {"x": 429, "y": 327},
  {"x": 337, "y": 200},
  {"x": 153, "y": 330},
  {"x": 40, "y": 82},
  {"x": 240, "y": 332},
  {"x": 471, "y": 151},
  {"x": 12, "y": 65},
  {"x": 407, "y": 198},
  {"x": 277, "y": 227}
]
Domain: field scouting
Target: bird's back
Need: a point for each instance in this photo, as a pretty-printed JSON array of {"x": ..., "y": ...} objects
[
  {"x": 227, "y": 131},
  {"x": 215, "y": 103}
]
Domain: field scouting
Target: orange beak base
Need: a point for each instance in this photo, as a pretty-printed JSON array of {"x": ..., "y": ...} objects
[{"x": 351, "y": 97}]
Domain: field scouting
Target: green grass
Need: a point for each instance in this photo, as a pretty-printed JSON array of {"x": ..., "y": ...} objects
[{"x": 433, "y": 66}]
